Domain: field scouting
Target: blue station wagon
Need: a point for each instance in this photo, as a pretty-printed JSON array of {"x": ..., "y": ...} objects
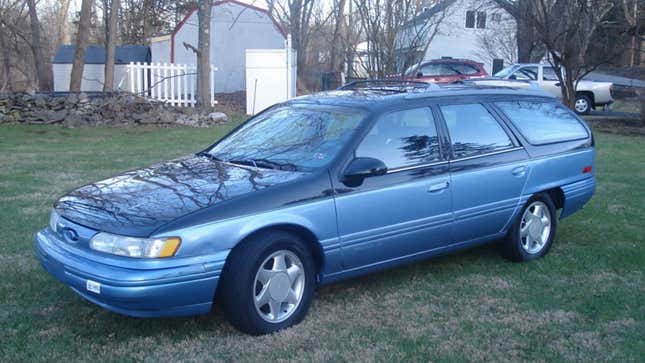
[{"x": 320, "y": 189}]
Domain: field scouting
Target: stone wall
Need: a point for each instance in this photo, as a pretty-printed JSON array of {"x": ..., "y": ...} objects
[{"x": 76, "y": 110}]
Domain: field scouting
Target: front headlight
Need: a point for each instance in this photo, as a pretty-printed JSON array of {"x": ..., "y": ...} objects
[{"x": 135, "y": 247}]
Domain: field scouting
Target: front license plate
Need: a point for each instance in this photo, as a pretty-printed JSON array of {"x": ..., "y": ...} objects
[{"x": 93, "y": 286}]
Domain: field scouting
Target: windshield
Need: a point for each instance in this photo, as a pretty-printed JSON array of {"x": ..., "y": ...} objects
[
  {"x": 506, "y": 71},
  {"x": 294, "y": 137}
]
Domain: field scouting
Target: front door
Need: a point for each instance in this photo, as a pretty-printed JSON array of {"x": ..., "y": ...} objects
[
  {"x": 406, "y": 211},
  {"x": 488, "y": 171}
]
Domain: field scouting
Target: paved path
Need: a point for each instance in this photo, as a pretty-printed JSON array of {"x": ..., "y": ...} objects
[{"x": 617, "y": 80}]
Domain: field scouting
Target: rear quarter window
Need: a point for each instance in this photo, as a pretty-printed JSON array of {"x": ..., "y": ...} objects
[{"x": 543, "y": 123}]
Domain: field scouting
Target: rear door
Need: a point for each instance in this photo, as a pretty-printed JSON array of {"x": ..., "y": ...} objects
[
  {"x": 550, "y": 82},
  {"x": 408, "y": 210},
  {"x": 488, "y": 170}
]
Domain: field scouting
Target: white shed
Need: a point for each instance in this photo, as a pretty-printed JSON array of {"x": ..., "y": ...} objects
[
  {"x": 235, "y": 27},
  {"x": 94, "y": 69}
]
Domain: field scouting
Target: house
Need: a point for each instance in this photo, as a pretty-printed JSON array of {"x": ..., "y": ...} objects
[
  {"x": 235, "y": 27},
  {"x": 94, "y": 69},
  {"x": 471, "y": 29}
]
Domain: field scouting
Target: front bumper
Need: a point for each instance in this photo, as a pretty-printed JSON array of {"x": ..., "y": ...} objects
[{"x": 134, "y": 287}]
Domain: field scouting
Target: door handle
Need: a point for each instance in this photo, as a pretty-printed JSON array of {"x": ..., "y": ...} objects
[
  {"x": 438, "y": 187},
  {"x": 520, "y": 171}
]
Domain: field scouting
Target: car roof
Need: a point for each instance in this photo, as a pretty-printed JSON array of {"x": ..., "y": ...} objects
[
  {"x": 372, "y": 98},
  {"x": 450, "y": 60}
]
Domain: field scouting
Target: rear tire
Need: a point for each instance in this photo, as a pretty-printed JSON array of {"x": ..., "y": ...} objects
[
  {"x": 583, "y": 104},
  {"x": 267, "y": 283},
  {"x": 533, "y": 231}
]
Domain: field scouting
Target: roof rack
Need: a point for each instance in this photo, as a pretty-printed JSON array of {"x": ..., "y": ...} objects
[{"x": 387, "y": 85}]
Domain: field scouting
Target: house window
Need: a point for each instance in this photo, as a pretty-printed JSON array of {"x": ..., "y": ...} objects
[
  {"x": 496, "y": 18},
  {"x": 475, "y": 18},
  {"x": 481, "y": 19},
  {"x": 470, "y": 19}
]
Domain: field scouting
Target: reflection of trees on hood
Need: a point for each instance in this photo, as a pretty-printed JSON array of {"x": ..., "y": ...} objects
[{"x": 165, "y": 191}]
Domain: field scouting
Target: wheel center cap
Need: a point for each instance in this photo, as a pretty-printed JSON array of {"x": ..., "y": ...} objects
[
  {"x": 535, "y": 229},
  {"x": 279, "y": 287}
]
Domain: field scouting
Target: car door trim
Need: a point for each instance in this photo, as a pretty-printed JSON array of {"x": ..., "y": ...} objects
[
  {"x": 489, "y": 154},
  {"x": 415, "y": 167}
]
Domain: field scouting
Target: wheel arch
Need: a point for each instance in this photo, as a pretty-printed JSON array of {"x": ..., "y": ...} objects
[
  {"x": 557, "y": 196},
  {"x": 311, "y": 240}
]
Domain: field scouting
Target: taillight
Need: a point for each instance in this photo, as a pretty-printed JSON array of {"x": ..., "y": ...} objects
[{"x": 587, "y": 169}]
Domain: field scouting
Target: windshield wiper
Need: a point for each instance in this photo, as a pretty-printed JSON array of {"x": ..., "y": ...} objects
[
  {"x": 208, "y": 155},
  {"x": 264, "y": 164}
]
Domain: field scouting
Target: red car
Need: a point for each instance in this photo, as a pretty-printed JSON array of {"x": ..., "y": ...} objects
[{"x": 445, "y": 71}]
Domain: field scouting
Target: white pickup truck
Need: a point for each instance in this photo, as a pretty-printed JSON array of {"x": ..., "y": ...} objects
[{"x": 589, "y": 94}]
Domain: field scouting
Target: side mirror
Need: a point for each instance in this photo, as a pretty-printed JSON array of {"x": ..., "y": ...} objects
[
  {"x": 361, "y": 168},
  {"x": 419, "y": 75},
  {"x": 512, "y": 76}
]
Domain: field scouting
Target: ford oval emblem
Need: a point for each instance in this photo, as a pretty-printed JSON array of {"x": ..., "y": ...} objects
[{"x": 70, "y": 234}]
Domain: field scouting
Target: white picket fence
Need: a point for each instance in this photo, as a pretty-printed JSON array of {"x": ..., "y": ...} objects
[{"x": 172, "y": 83}]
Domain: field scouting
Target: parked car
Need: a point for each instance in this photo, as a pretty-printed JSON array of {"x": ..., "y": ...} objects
[
  {"x": 589, "y": 94},
  {"x": 445, "y": 71},
  {"x": 320, "y": 189}
]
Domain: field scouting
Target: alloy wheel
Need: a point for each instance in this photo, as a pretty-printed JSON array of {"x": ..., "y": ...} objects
[
  {"x": 279, "y": 286},
  {"x": 535, "y": 227}
]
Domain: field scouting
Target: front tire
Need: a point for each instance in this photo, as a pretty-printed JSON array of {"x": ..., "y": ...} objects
[
  {"x": 267, "y": 283},
  {"x": 533, "y": 231}
]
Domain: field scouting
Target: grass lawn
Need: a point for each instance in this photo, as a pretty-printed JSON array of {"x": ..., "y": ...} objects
[{"x": 585, "y": 301}]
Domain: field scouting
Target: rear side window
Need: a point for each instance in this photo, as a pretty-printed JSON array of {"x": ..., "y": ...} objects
[
  {"x": 401, "y": 139},
  {"x": 543, "y": 123},
  {"x": 473, "y": 130},
  {"x": 462, "y": 68}
]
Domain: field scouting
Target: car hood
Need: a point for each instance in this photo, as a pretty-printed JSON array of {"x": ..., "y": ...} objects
[{"x": 138, "y": 202}]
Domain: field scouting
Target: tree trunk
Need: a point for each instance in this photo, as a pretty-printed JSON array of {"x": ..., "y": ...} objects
[
  {"x": 641, "y": 96},
  {"x": 203, "y": 56},
  {"x": 43, "y": 73},
  {"x": 81, "y": 43},
  {"x": 6, "y": 66},
  {"x": 336, "y": 44},
  {"x": 61, "y": 18},
  {"x": 110, "y": 51},
  {"x": 148, "y": 17}
]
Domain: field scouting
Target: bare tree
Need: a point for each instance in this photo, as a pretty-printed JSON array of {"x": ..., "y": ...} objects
[
  {"x": 61, "y": 20},
  {"x": 81, "y": 43},
  {"x": 529, "y": 47},
  {"x": 296, "y": 15},
  {"x": 43, "y": 74},
  {"x": 203, "y": 54},
  {"x": 566, "y": 29},
  {"x": 336, "y": 49},
  {"x": 396, "y": 37},
  {"x": 632, "y": 10},
  {"x": 108, "y": 85}
]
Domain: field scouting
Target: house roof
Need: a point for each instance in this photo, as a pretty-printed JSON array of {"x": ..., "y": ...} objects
[
  {"x": 429, "y": 13},
  {"x": 95, "y": 54}
]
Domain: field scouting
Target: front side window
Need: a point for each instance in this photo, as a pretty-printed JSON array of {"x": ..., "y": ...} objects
[
  {"x": 295, "y": 136},
  {"x": 402, "y": 138},
  {"x": 542, "y": 122},
  {"x": 526, "y": 74},
  {"x": 473, "y": 130}
]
